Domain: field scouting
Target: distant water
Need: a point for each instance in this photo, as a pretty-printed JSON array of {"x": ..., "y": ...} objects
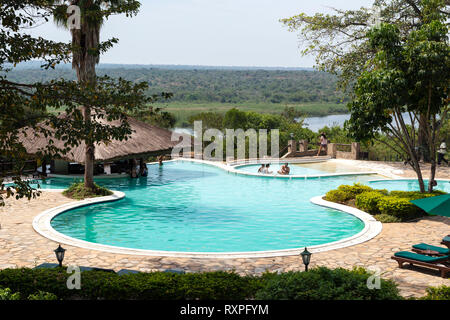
[
  {"x": 312, "y": 123},
  {"x": 316, "y": 123}
]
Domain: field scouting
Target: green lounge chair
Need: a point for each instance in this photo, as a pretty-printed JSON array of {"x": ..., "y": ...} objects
[
  {"x": 422, "y": 248},
  {"x": 439, "y": 263},
  {"x": 446, "y": 241}
]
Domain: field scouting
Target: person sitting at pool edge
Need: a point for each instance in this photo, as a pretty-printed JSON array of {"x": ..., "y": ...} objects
[
  {"x": 285, "y": 170},
  {"x": 261, "y": 169}
]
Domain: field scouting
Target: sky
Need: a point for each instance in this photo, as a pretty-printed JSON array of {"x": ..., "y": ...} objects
[{"x": 208, "y": 32}]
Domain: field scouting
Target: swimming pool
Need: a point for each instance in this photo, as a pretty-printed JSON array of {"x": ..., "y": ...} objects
[{"x": 192, "y": 207}]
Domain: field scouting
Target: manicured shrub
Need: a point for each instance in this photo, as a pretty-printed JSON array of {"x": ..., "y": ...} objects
[
  {"x": 142, "y": 286},
  {"x": 354, "y": 190},
  {"x": 42, "y": 296},
  {"x": 319, "y": 283},
  {"x": 325, "y": 284},
  {"x": 438, "y": 293},
  {"x": 387, "y": 218},
  {"x": 368, "y": 201},
  {"x": 415, "y": 195},
  {"x": 337, "y": 196},
  {"x": 386, "y": 206},
  {"x": 399, "y": 207},
  {"x": 78, "y": 191}
]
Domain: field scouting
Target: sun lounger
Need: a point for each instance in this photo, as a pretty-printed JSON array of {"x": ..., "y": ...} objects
[
  {"x": 430, "y": 250},
  {"x": 446, "y": 241},
  {"x": 438, "y": 263}
]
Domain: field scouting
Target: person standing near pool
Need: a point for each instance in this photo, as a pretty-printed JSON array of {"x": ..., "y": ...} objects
[
  {"x": 323, "y": 143},
  {"x": 441, "y": 153}
]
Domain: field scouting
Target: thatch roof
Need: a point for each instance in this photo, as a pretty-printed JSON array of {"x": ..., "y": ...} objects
[{"x": 146, "y": 140}]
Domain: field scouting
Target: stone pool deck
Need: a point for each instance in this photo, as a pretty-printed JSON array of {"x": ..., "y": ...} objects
[{"x": 21, "y": 246}]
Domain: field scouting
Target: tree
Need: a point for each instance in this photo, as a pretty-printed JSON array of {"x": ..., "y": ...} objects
[
  {"x": 341, "y": 46},
  {"x": 408, "y": 75},
  {"x": 87, "y": 49},
  {"x": 18, "y": 101}
]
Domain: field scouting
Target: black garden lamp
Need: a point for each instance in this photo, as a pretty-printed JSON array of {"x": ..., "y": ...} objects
[
  {"x": 60, "y": 254},
  {"x": 306, "y": 257},
  {"x": 292, "y": 136}
]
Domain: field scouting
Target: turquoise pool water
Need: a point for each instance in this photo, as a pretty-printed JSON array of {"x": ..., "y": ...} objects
[
  {"x": 274, "y": 168},
  {"x": 190, "y": 207}
]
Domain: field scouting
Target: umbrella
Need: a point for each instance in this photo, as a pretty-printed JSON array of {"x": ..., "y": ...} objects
[{"x": 439, "y": 206}]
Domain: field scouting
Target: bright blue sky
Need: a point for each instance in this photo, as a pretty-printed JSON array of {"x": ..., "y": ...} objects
[{"x": 209, "y": 32}]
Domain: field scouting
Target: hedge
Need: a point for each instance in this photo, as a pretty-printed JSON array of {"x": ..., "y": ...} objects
[
  {"x": 325, "y": 284},
  {"x": 438, "y": 293},
  {"x": 318, "y": 283},
  {"x": 394, "y": 206}
]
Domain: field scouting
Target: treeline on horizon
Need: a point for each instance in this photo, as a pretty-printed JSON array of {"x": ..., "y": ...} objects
[{"x": 214, "y": 85}]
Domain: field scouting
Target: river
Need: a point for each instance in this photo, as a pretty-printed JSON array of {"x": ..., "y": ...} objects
[{"x": 313, "y": 123}]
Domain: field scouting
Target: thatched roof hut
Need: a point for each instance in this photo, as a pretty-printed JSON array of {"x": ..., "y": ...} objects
[{"x": 146, "y": 140}]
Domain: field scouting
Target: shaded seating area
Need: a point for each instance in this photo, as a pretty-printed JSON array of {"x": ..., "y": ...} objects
[{"x": 114, "y": 157}]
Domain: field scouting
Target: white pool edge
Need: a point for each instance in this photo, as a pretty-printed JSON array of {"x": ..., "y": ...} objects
[{"x": 42, "y": 225}]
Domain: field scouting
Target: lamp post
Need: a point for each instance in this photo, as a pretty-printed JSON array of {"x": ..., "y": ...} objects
[
  {"x": 59, "y": 252},
  {"x": 292, "y": 136},
  {"x": 306, "y": 257}
]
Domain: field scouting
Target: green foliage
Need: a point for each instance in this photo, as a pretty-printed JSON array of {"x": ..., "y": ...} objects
[
  {"x": 438, "y": 293},
  {"x": 276, "y": 88},
  {"x": 42, "y": 296},
  {"x": 387, "y": 218},
  {"x": 142, "y": 286},
  {"x": 368, "y": 201},
  {"x": 399, "y": 207},
  {"x": 354, "y": 190},
  {"x": 387, "y": 207},
  {"x": 407, "y": 75},
  {"x": 319, "y": 283},
  {"x": 325, "y": 284},
  {"x": 78, "y": 191},
  {"x": 338, "y": 196},
  {"x": 6, "y": 294}
]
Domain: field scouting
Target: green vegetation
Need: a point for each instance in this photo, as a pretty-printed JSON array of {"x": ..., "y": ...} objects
[
  {"x": 79, "y": 191},
  {"x": 387, "y": 207},
  {"x": 216, "y": 87},
  {"x": 325, "y": 284},
  {"x": 438, "y": 293},
  {"x": 318, "y": 284}
]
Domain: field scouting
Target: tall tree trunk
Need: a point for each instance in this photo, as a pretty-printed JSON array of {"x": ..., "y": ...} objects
[
  {"x": 84, "y": 62},
  {"x": 416, "y": 167},
  {"x": 424, "y": 146}
]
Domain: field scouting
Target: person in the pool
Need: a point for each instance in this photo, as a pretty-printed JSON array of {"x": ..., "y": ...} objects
[
  {"x": 285, "y": 170},
  {"x": 266, "y": 171},
  {"x": 261, "y": 169}
]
